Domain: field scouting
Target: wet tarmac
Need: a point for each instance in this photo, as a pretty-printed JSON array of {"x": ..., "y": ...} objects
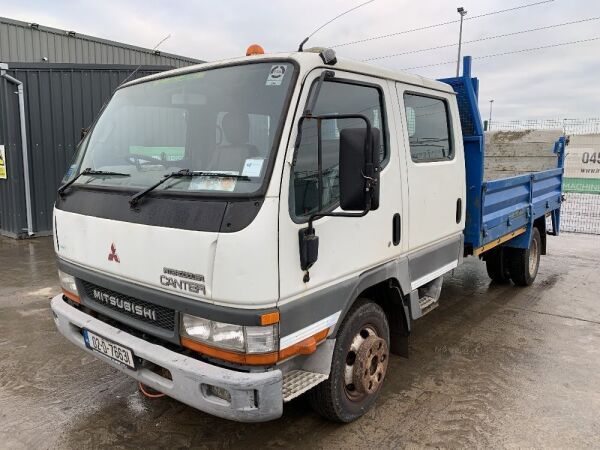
[{"x": 493, "y": 366}]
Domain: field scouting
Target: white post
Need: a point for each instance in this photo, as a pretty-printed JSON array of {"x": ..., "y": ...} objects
[
  {"x": 24, "y": 150},
  {"x": 462, "y": 13}
]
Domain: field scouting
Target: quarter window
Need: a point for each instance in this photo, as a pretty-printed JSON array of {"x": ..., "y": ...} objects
[
  {"x": 428, "y": 126},
  {"x": 310, "y": 193}
]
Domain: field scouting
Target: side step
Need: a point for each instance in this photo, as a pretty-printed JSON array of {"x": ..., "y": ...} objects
[
  {"x": 297, "y": 382},
  {"x": 425, "y": 299},
  {"x": 427, "y": 304}
]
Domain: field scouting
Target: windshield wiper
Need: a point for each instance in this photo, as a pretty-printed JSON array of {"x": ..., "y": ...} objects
[
  {"x": 89, "y": 172},
  {"x": 135, "y": 199}
]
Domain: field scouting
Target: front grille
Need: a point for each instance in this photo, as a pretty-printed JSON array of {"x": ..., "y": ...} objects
[{"x": 137, "y": 309}]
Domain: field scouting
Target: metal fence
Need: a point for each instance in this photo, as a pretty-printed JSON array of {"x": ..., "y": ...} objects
[
  {"x": 569, "y": 126},
  {"x": 581, "y": 209},
  {"x": 580, "y": 213}
]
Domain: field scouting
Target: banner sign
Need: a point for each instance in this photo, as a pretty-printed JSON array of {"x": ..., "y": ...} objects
[{"x": 582, "y": 170}]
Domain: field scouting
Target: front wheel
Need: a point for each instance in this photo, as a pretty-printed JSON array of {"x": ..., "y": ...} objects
[
  {"x": 358, "y": 367},
  {"x": 524, "y": 263}
]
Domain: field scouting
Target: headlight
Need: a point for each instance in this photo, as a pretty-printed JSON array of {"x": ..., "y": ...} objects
[
  {"x": 226, "y": 335},
  {"x": 247, "y": 339},
  {"x": 196, "y": 328},
  {"x": 68, "y": 285}
]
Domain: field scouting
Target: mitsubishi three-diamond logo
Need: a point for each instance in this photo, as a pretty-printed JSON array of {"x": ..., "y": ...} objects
[{"x": 112, "y": 256}]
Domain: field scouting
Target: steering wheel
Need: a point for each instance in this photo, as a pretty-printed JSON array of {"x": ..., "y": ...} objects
[{"x": 135, "y": 158}]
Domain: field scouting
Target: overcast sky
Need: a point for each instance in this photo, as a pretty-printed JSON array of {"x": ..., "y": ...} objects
[{"x": 552, "y": 83}]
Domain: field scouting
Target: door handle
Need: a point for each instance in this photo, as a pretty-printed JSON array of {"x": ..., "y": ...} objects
[
  {"x": 396, "y": 229},
  {"x": 458, "y": 210}
]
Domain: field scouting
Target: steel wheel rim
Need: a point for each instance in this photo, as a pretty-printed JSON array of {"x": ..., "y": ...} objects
[
  {"x": 533, "y": 257},
  {"x": 356, "y": 393}
]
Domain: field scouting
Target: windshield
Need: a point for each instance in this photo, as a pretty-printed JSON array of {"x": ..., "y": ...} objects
[{"x": 223, "y": 121}]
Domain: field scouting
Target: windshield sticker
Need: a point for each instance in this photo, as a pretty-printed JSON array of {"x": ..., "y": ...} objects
[
  {"x": 252, "y": 167},
  {"x": 216, "y": 183},
  {"x": 2, "y": 163},
  {"x": 276, "y": 75}
]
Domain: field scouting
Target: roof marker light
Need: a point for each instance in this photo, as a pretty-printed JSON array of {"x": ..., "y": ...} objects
[{"x": 328, "y": 56}]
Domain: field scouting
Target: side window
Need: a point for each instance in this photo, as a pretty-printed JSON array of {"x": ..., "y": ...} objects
[
  {"x": 428, "y": 126},
  {"x": 308, "y": 193}
]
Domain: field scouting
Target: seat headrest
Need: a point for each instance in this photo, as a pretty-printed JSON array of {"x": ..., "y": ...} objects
[{"x": 236, "y": 127}]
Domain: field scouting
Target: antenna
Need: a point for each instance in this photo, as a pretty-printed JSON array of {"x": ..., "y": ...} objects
[
  {"x": 300, "y": 48},
  {"x": 138, "y": 67}
]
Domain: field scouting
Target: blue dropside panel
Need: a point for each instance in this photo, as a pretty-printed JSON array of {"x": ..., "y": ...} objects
[{"x": 511, "y": 203}]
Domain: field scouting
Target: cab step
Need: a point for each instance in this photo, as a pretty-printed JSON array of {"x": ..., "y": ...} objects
[{"x": 297, "y": 382}]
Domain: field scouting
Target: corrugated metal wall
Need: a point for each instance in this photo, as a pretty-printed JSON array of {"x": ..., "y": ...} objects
[
  {"x": 60, "y": 100},
  {"x": 12, "y": 190},
  {"x": 19, "y": 42}
]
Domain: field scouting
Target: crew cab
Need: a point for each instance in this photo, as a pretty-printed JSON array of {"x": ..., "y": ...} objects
[{"x": 237, "y": 233}]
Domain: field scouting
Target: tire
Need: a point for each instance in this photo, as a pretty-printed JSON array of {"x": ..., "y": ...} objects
[
  {"x": 364, "y": 330},
  {"x": 524, "y": 263},
  {"x": 496, "y": 265}
]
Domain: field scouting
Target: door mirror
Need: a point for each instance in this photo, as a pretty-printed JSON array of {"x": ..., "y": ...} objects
[{"x": 357, "y": 167}]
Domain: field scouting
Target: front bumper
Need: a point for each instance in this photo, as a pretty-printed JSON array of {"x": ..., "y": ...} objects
[{"x": 255, "y": 397}]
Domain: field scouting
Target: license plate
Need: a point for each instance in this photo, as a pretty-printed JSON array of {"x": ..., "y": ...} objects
[{"x": 109, "y": 348}]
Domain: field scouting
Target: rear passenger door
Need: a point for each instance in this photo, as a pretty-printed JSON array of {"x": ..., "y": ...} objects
[{"x": 436, "y": 174}]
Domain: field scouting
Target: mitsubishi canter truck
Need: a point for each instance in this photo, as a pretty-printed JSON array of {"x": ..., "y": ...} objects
[{"x": 236, "y": 233}]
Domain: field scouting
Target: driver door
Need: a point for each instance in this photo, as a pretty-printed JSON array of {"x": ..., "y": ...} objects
[{"x": 347, "y": 246}]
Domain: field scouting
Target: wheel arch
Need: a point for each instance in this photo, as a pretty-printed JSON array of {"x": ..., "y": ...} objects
[{"x": 387, "y": 286}]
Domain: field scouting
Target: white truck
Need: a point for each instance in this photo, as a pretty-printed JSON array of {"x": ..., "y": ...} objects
[{"x": 237, "y": 233}]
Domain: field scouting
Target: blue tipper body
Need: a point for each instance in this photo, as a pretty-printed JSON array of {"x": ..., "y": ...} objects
[{"x": 499, "y": 207}]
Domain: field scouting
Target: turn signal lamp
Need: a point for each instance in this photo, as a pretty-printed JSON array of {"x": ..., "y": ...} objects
[{"x": 255, "y": 49}]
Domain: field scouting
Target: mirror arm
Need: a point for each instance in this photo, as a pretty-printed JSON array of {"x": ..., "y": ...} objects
[
  {"x": 312, "y": 218},
  {"x": 320, "y": 162}
]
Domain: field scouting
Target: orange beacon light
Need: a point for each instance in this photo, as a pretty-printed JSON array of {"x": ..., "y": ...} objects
[{"x": 255, "y": 49}]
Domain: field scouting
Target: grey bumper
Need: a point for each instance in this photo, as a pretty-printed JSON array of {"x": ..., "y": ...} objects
[{"x": 255, "y": 397}]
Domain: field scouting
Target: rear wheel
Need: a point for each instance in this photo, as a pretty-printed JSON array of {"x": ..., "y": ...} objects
[
  {"x": 358, "y": 366},
  {"x": 524, "y": 263},
  {"x": 496, "y": 265}
]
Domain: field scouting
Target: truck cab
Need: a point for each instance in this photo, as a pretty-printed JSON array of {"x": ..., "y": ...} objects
[{"x": 237, "y": 233}]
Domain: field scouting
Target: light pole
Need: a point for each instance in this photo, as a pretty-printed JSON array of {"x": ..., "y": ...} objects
[
  {"x": 462, "y": 13},
  {"x": 490, "y": 121}
]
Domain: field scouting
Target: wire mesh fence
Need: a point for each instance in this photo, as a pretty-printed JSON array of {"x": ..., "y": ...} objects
[
  {"x": 569, "y": 126},
  {"x": 580, "y": 212}
]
